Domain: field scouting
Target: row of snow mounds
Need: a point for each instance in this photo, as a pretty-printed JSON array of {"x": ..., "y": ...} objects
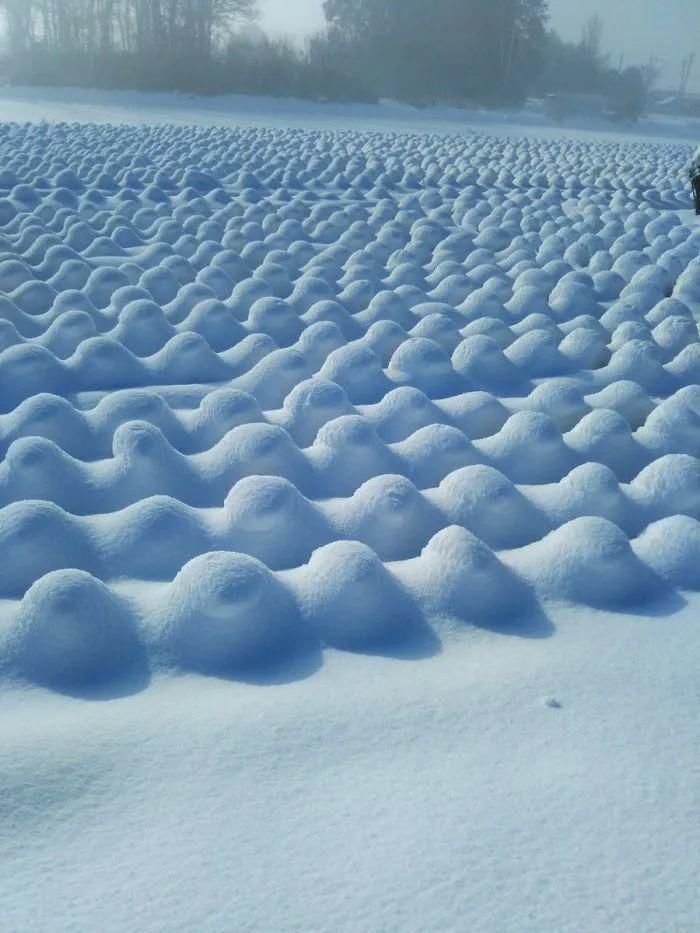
[
  {"x": 438, "y": 354},
  {"x": 267, "y": 517},
  {"x": 366, "y": 369},
  {"x": 80, "y": 158},
  {"x": 376, "y": 315},
  {"x": 347, "y": 452},
  {"x": 414, "y": 253},
  {"x": 407, "y": 248},
  {"x": 505, "y": 229},
  {"x": 172, "y": 231},
  {"x": 647, "y": 427},
  {"x": 228, "y": 614}
]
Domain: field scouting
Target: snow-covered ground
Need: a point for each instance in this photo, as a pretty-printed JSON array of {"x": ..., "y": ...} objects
[
  {"x": 349, "y": 522},
  {"x": 440, "y": 794},
  {"x": 97, "y": 106}
]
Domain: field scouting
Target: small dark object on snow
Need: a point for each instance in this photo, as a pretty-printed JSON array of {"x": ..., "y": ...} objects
[{"x": 695, "y": 179}]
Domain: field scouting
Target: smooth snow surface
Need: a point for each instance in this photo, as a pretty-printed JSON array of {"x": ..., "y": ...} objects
[
  {"x": 101, "y": 106},
  {"x": 387, "y": 446},
  {"x": 447, "y": 794}
]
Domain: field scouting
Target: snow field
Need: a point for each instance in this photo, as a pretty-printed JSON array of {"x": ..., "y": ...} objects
[{"x": 268, "y": 391}]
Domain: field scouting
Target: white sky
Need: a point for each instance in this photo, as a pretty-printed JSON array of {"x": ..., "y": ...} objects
[
  {"x": 291, "y": 17},
  {"x": 668, "y": 29}
]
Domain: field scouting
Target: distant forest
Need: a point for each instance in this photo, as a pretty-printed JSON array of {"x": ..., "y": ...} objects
[{"x": 491, "y": 52}]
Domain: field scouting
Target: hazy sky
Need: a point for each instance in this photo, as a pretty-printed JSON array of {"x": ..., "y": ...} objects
[
  {"x": 295, "y": 17},
  {"x": 637, "y": 29}
]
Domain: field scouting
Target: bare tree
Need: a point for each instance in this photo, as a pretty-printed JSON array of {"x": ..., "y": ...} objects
[
  {"x": 169, "y": 27},
  {"x": 592, "y": 38}
]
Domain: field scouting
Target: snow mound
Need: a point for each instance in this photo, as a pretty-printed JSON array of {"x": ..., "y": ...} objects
[
  {"x": 351, "y": 601},
  {"x": 226, "y": 613},
  {"x": 672, "y": 548},
  {"x": 590, "y": 561},
  {"x": 458, "y": 577},
  {"x": 72, "y": 633}
]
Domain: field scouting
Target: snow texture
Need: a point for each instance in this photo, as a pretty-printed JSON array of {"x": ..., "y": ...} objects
[
  {"x": 311, "y": 436},
  {"x": 334, "y": 390}
]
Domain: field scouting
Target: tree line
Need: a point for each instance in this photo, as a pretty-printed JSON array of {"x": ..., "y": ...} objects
[
  {"x": 418, "y": 51},
  {"x": 139, "y": 43},
  {"x": 142, "y": 27}
]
